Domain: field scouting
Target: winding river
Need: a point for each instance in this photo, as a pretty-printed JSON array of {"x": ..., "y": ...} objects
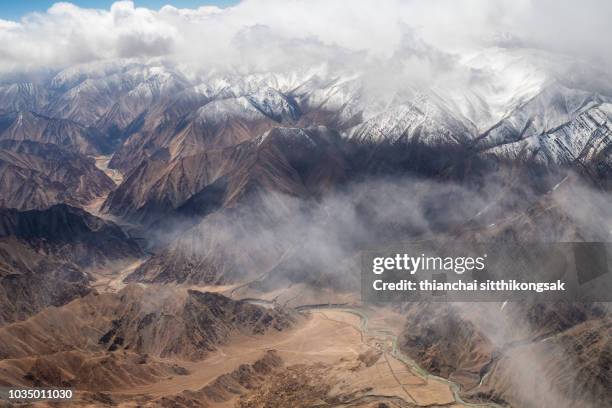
[{"x": 394, "y": 351}]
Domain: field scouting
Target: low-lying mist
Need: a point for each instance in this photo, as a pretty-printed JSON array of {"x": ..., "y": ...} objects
[
  {"x": 325, "y": 234},
  {"x": 316, "y": 241}
]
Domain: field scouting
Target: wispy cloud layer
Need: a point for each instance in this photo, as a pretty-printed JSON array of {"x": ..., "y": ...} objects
[{"x": 276, "y": 34}]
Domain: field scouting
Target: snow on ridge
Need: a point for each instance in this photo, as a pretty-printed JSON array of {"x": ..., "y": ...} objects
[
  {"x": 507, "y": 95},
  {"x": 219, "y": 110},
  {"x": 583, "y": 137},
  {"x": 286, "y": 134}
]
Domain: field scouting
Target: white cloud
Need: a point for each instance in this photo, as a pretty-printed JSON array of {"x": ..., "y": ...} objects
[{"x": 271, "y": 34}]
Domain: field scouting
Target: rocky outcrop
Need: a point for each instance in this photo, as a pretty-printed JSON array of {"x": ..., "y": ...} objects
[
  {"x": 70, "y": 234},
  {"x": 36, "y": 176},
  {"x": 31, "y": 281}
]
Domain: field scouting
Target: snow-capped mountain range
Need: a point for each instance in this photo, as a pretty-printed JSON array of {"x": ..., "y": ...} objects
[{"x": 510, "y": 106}]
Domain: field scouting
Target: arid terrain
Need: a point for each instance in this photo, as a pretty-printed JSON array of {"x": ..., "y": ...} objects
[
  {"x": 187, "y": 197},
  {"x": 353, "y": 361}
]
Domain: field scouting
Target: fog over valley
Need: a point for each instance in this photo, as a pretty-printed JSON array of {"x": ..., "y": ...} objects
[{"x": 187, "y": 195}]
